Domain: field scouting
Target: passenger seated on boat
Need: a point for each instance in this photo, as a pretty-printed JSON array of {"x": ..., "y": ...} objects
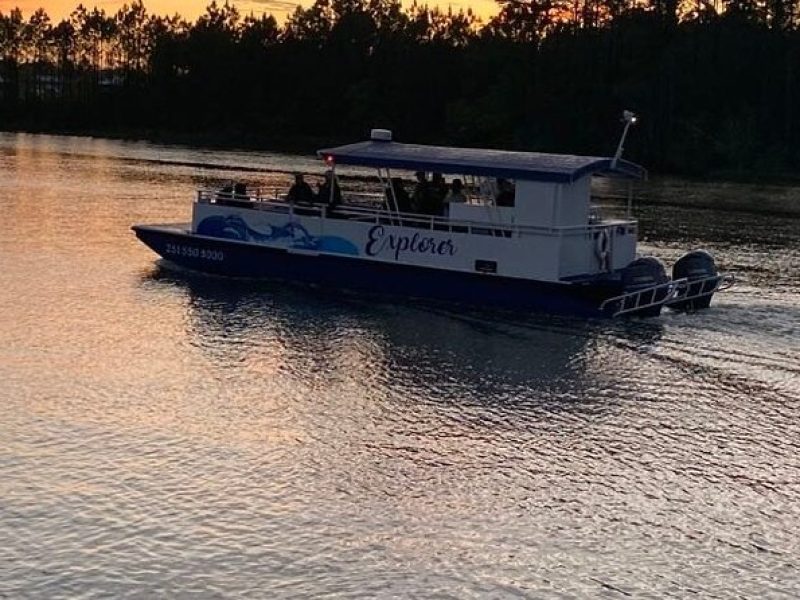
[
  {"x": 225, "y": 192},
  {"x": 300, "y": 192},
  {"x": 488, "y": 188},
  {"x": 401, "y": 197},
  {"x": 234, "y": 195},
  {"x": 225, "y": 195},
  {"x": 505, "y": 195},
  {"x": 456, "y": 193},
  {"x": 240, "y": 191},
  {"x": 324, "y": 193}
]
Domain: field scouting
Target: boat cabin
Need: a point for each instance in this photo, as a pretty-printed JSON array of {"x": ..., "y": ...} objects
[{"x": 551, "y": 190}]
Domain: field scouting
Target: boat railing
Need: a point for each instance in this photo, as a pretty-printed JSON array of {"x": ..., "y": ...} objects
[
  {"x": 274, "y": 202},
  {"x": 726, "y": 281}
]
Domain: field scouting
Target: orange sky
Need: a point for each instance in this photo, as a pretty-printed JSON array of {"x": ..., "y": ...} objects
[{"x": 58, "y": 9}]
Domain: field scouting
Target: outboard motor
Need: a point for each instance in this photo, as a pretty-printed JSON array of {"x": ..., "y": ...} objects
[
  {"x": 698, "y": 267},
  {"x": 643, "y": 273}
]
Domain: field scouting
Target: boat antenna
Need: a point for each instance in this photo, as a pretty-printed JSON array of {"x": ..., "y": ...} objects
[{"x": 629, "y": 118}]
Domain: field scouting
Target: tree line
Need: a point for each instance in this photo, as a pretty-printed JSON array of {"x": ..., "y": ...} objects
[{"x": 715, "y": 81}]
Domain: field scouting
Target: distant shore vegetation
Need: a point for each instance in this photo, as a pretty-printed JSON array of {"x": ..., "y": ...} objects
[{"x": 717, "y": 84}]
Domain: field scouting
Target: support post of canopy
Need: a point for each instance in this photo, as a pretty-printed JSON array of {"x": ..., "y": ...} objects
[
  {"x": 334, "y": 184},
  {"x": 387, "y": 199},
  {"x": 392, "y": 192}
]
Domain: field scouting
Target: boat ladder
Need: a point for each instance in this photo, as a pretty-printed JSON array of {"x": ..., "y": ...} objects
[
  {"x": 678, "y": 290},
  {"x": 654, "y": 295}
]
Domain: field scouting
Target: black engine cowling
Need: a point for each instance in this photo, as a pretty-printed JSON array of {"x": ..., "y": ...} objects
[
  {"x": 643, "y": 273},
  {"x": 699, "y": 269}
]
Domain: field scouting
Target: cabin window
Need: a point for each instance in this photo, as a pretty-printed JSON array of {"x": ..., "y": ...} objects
[{"x": 497, "y": 191}]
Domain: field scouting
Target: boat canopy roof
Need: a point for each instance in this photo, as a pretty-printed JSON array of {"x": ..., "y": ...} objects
[{"x": 531, "y": 166}]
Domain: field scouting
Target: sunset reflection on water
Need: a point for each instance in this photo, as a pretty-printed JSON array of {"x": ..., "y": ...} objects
[{"x": 168, "y": 433}]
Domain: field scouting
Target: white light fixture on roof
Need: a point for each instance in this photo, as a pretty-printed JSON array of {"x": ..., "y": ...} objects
[{"x": 380, "y": 135}]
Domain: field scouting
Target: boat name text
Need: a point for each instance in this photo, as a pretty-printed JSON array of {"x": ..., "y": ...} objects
[{"x": 380, "y": 241}]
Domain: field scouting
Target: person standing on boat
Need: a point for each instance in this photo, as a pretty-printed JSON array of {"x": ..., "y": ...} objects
[
  {"x": 329, "y": 192},
  {"x": 420, "y": 196},
  {"x": 505, "y": 196},
  {"x": 435, "y": 198},
  {"x": 439, "y": 186},
  {"x": 398, "y": 194},
  {"x": 300, "y": 192}
]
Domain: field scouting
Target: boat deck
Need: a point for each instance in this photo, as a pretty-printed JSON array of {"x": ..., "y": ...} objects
[{"x": 381, "y": 215}]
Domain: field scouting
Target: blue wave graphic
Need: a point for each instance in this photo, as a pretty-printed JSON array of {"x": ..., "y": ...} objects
[{"x": 234, "y": 227}]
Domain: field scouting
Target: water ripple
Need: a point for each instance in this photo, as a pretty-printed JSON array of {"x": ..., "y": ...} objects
[{"x": 172, "y": 435}]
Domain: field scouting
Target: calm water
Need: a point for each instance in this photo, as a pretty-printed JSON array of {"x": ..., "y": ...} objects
[{"x": 169, "y": 435}]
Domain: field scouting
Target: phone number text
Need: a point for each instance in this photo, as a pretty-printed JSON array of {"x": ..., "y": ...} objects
[{"x": 193, "y": 252}]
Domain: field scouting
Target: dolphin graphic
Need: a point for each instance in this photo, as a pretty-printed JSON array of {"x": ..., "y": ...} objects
[{"x": 234, "y": 227}]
